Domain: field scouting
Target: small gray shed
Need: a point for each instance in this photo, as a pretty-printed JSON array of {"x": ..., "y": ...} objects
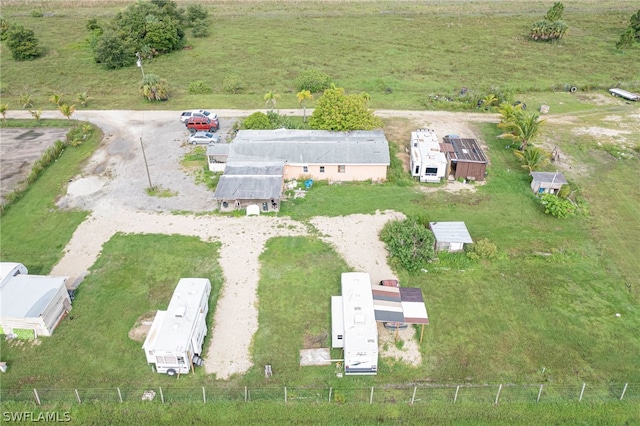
[
  {"x": 450, "y": 236},
  {"x": 547, "y": 182}
]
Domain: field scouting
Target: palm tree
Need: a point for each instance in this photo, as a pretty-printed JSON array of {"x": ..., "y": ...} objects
[
  {"x": 154, "y": 88},
  {"x": 3, "y": 110},
  {"x": 270, "y": 99},
  {"x": 523, "y": 131},
  {"x": 303, "y": 96},
  {"x": 509, "y": 113},
  {"x": 83, "y": 98},
  {"x": 56, "y": 98},
  {"x": 533, "y": 158},
  {"x": 67, "y": 110}
]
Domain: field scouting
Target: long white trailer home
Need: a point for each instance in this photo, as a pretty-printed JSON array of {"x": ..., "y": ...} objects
[
  {"x": 174, "y": 342},
  {"x": 359, "y": 324}
]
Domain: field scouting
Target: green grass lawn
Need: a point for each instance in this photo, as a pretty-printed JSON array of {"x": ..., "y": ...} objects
[
  {"x": 399, "y": 52},
  {"x": 543, "y": 312}
]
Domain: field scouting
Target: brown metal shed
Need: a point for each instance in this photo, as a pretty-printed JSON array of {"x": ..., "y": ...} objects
[{"x": 467, "y": 159}]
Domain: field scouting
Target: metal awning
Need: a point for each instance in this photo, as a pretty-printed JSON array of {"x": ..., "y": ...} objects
[{"x": 403, "y": 304}]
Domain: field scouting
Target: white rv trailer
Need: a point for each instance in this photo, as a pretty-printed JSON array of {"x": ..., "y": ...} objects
[
  {"x": 174, "y": 342},
  {"x": 360, "y": 328},
  {"x": 428, "y": 163}
]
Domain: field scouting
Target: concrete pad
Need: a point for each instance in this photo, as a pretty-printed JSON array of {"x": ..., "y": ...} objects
[{"x": 319, "y": 356}]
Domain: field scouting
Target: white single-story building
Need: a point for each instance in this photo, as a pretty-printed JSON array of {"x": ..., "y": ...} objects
[
  {"x": 31, "y": 302},
  {"x": 450, "y": 236},
  {"x": 428, "y": 163},
  {"x": 547, "y": 182}
]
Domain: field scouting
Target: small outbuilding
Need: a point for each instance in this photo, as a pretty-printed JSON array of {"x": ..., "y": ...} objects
[
  {"x": 467, "y": 159},
  {"x": 547, "y": 182},
  {"x": 217, "y": 154},
  {"x": 244, "y": 184},
  {"x": 450, "y": 236},
  {"x": 31, "y": 302}
]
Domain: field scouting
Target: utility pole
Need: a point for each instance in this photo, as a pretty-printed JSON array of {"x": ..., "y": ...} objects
[
  {"x": 145, "y": 164},
  {"x": 139, "y": 63}
]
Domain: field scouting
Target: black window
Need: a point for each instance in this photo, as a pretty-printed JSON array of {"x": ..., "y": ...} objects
[{"x": 321, "y": 169}]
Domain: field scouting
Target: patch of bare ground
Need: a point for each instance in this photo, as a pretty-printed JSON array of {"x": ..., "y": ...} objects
[
  {"x": 404, "y": 347},
  {"x": 142, "y": 326},
  {"x": 452, "y": 186}
]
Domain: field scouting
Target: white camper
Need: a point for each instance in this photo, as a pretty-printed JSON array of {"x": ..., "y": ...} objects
[
  {"x": 360, "y": 328},
  {"x": 174, "y": 342},
  {"x": 428, "y": 163}
]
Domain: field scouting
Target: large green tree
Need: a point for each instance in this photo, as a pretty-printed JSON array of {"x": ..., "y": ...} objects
[
  {"x": 550, "y": 28},
  {"x": 150, "y": 28},
  {"x": 338, "y": 111},
  {"x": 410, "y": 243}
]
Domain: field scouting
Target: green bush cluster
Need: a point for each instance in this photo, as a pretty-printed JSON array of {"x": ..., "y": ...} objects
[
  {"x": 233, "y": 84},
  {"x": 556, "y": 206},
  {"x": 410, "y": 244},
  {"x": 313, "y": 81},
  {"x": 481, "y": 249},
  {"x": 199, "y": 88}
]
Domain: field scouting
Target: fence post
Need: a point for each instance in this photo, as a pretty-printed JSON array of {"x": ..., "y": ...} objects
[
  {"x": 35, "y": 393},
  {"x": 371, "y": 396},
  {"x": 78, "y": 396},
  {"x": 413, "y": 397},
  {"x": 582, "y": 392},
  {"x": 119, "y": 394},
  {"x": 330, "y": 390},
  {"x": 455, "y": 398},
  {"x": 161, "y": 396},
  {"x": 624, "y": 391},
  {"x": 539, "y": 394},
  {"x": 204, "y": 396},
  {"x": 285, "y": 394},
  {"x": 246, "y": 394},
  {"x": 498, "y": 394}
]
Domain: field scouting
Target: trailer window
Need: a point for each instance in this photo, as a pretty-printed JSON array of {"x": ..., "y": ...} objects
[{"x": 180, "y": 360}]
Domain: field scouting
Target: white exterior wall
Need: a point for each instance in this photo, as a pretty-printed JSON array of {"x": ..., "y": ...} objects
[{"x": 426, "y": 154}]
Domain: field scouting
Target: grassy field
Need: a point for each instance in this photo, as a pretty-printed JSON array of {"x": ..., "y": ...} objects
[
  {"x": 543, "y": 312},
  {"x": 400, "y": 52}
]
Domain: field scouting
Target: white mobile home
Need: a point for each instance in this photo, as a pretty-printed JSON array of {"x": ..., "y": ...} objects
[
  {"x": 359, "y": 324},
  {"x": 174, "y": 342},
  {"x": 31, "y": 302},
  {"x": 428, "y": 162}
]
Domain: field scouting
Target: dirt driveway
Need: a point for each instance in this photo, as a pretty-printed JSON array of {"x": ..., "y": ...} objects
[{"x": 112, "y": 186}]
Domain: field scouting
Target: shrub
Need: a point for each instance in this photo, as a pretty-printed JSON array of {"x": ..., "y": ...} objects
[
  {"x": 200, "y": 29},
  {"x": 257, "y": 121},
  {"x": 279, "y": 121},
  {"x": 199, "y": 88},
  {"x": 196, "y": 12},
  {"x": 409, "y": 243},
  {"x": 232, "y": 84},
  {"x": 481, "y": 249},
  {"x": 313, "y": 81},
  {"x": 154, "y": 88},
  {"x": 22, "y": 43},
  {"x": 556, "y": 206}
]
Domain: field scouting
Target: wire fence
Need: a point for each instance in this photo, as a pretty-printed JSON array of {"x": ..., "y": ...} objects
[{"x": 383, "y": 394}]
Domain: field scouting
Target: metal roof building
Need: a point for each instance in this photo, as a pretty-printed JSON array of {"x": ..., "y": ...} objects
[
  {"x": 310, "y": 146},
  {"x": 468, "y": 161},
  {"x": 450, "y": 236},
  {"x": 248, "y": 183},
  {"x": 547, "y": 182},
  {"x": 31, "y": 302}
]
